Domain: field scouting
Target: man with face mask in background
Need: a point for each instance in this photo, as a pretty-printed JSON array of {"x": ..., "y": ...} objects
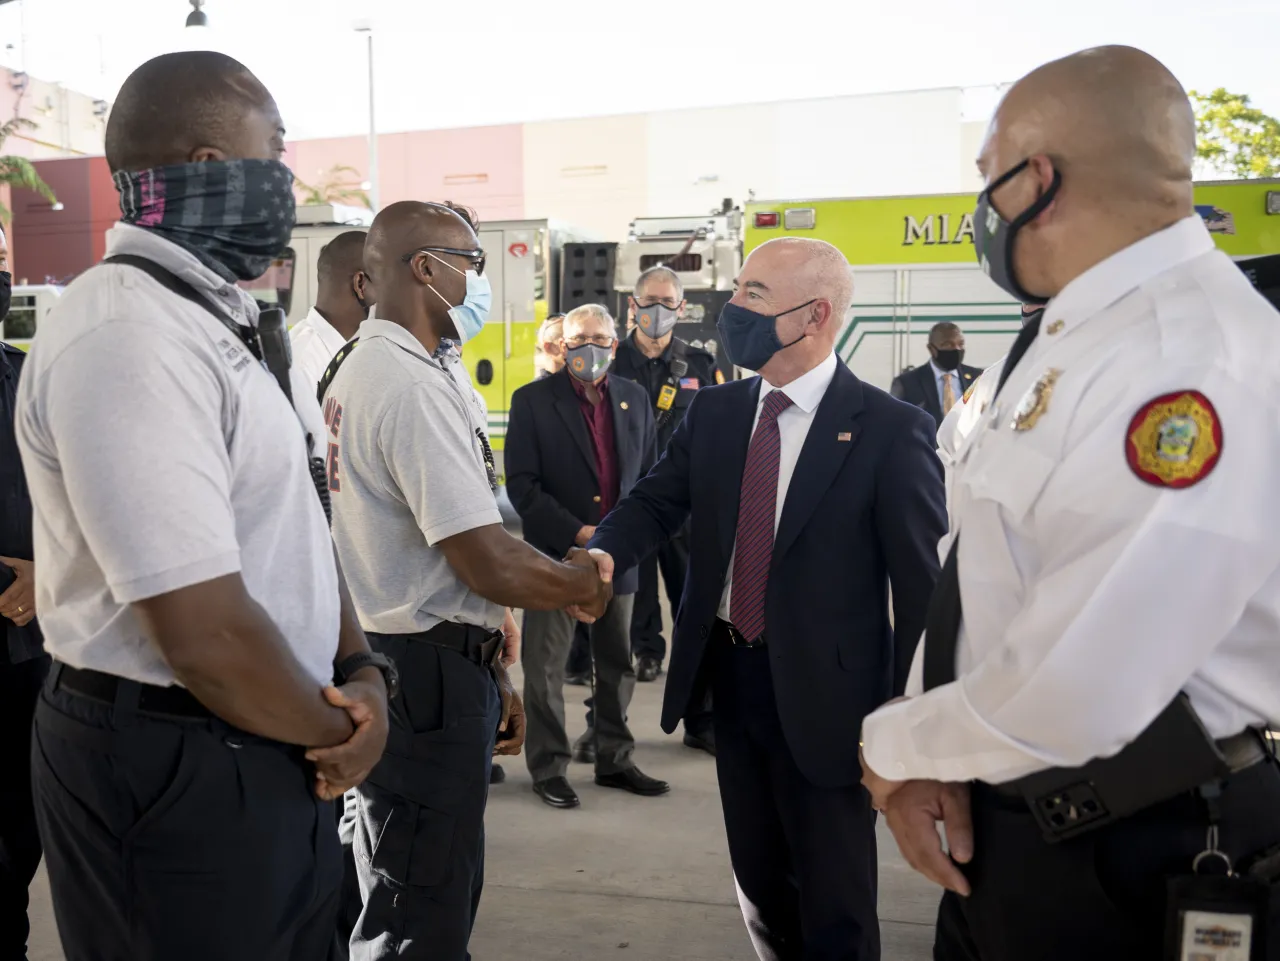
[
  {"x": 939, "y": 384},
  {"x": 200, "y": 617},
  {"x": 810, "y": 494},
  {"x": 547, "y": 360},
  {"x": 342, "y": 305},
  {"x": 671, "y": 372},
  {"x": 23, "y": 662},
  {"x": 1101, "y": 654},
  {"x": 432, "y": 573},
  {"x": 576, "y": 443}
]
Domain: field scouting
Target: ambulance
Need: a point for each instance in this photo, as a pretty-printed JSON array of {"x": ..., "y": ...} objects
[{"x": 914, "y": 265}]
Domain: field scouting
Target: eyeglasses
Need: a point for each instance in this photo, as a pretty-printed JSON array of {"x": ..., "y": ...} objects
[
  {"x": 475, "y": 257},
  {"x": 600, "y": 340}
]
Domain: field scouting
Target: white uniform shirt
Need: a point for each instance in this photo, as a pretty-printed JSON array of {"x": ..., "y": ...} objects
[
  {"x": 314, "y": 342},
  {"x": 1091, "y": 598},
  {"x": 161, "y": 454},
  {"x": 806, "y": 393},
  {"x": 958, "y": 425}
]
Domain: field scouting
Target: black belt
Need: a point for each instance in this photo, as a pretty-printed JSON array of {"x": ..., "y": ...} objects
[
  {"x": 477, "y": 644},
  {"x": 152, "y": 699},
  {"x": 727, "y": 631}
]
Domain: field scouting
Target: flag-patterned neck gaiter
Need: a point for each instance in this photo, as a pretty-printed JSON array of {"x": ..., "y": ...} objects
[{"x": 235, "y": 215}]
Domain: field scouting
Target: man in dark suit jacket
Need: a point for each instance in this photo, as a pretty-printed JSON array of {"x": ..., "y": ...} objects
[
  {"x": 940, "y": 384},
  {"x": 810, "y": 495},
  {"x": 577, "y": 442}
]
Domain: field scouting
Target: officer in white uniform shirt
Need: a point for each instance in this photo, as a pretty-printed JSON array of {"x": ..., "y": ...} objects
[
  {"x": 1116, "y": 546},
  {"x": 187, "y": 586},
  {"x": 342, "y": 304}
]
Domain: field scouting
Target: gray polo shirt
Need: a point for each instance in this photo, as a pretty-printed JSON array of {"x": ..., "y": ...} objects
[
  {"x": 160, "y": 454},
  {"x": 406, "y": 471}
]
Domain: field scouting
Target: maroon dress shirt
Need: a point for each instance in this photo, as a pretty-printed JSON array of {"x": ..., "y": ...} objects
[{"x": 599, "y": 418}]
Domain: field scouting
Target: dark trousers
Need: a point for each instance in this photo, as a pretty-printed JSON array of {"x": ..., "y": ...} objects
[
  {"x": 804, "y": 857},
  {"x": 419, "y": 833},
  {"x": 672, "y": 558},
  {"x": 19, "y": 840},
  {"x": 579, "y": 661},
  {"x": 172, "y": 838},
  {"x": 547, "y": 637},
  {"x": 1099, "y": 896}
]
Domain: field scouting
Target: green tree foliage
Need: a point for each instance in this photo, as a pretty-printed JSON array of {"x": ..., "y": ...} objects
[
  {"x": 341, "y": 185},
  {"x": 19, "y": 171},
  {"x": 1234, "y": 137}
]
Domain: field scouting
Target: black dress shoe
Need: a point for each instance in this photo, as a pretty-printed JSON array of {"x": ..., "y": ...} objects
[
  {"x": 635, "y": 781},
  {"x": 584, "y": 752},
  {"x": 648, "y": 669},
  {"x": 496, "y": 774},
  {"x": 557, "y": 792},
  {"x": 578, "y": 680},
  {"x": 705, "y": 741}
]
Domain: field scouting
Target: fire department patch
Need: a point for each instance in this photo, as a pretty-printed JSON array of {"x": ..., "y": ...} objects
[
  {"x": 964, "y": 399},
  {"x": 1175, "y": 440}
]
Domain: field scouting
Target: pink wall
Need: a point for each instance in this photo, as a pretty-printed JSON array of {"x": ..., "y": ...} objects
[{"x": 482, "y": 167}]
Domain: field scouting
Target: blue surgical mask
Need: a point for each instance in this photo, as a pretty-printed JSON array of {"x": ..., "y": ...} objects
[
  {"x": 469, "y": 316},
  {"x": 750, "y": 338}
]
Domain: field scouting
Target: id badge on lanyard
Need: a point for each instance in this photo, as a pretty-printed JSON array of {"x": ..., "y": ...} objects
[{"x": 1215, "y": 913}]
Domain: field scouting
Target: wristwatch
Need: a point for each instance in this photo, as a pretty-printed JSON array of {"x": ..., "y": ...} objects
[{"x": 366, "y": 659}]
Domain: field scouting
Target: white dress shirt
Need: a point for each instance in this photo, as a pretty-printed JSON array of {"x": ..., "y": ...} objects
[
  {"x": 806, "y": 392},
  {"x": 314, "y": 342},
  {"x": 1091, "y": 598}
]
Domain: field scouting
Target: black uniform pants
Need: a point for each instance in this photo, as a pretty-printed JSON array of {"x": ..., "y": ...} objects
[
  {"x": 1099, "y": 896},
  {"x": 804, "y": 857},
  {"x": 19, "y": 839},
  {"x": 419, "y": 834},
  {"x": 174, "y": 838}
]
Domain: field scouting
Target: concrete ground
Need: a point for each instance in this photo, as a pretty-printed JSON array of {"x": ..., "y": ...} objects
[{"x": 638, "y": 879}]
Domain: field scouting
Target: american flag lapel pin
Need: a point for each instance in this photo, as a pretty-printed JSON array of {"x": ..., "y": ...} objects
[{"x": 844, "y": 435}]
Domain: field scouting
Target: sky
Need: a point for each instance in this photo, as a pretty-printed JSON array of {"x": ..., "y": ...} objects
[{"x": 509, "y": 61}]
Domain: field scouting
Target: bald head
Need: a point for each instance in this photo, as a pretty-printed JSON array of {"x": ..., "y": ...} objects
[
  {"x": 1094, "y": 152},
  {"x": 806, "y": 285},
  {"x": 1115, "y": 120},
  {"x": 190, "y": 107},
  {"x": 417, "y": 255},
  {"x": 341, "y": 258}
]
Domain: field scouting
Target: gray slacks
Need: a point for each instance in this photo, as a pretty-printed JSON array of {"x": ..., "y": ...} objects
[{"x": 547, "y": 638}]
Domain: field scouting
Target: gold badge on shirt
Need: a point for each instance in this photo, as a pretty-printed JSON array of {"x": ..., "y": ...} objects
[{"x": 1035, "y": 402}]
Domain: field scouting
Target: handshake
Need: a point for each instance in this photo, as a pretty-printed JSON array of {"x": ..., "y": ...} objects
[{"x": 597, "y": 592}]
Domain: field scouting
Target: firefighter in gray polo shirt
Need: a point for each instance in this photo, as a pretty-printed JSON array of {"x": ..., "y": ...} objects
[{"x": 431, "y": 572}]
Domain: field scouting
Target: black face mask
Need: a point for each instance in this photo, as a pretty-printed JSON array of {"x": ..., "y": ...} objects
[
  {"x": 6, "y": 292},
  {"x": 993, "y": 236},
  {"x": 949, "y": 359}
]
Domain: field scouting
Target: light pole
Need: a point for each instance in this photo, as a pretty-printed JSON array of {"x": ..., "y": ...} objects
[{"x": 365, "y": 27}]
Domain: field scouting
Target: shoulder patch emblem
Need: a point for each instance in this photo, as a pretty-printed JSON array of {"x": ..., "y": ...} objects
[
  {"x": 719, "y": 376},
  {"x": 968, "y": 393},
  {"x": 1174, "y": 440}
]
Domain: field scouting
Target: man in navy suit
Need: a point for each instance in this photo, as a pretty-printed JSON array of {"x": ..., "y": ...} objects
[
  {"x": 577, "y": 441},
  {"x": 940, "y": 384},
  {"x": 810, "y": 495}
]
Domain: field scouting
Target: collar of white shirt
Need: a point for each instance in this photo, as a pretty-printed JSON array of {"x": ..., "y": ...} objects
[
  {"x": 330, "y": 339},
  {"x": 1107, "y": 282},
  {"x": 806, "y": 390},
  {"x": 939, "y": 373},
  {"x": 397, "y": 335}
]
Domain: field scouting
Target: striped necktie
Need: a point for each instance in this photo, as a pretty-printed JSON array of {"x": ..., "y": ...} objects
[{"x": 757, "y": 510}]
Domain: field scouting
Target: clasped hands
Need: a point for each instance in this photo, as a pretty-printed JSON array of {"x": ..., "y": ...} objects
[
  {"x": 912, "y": 809},
  {"x": 601, "y": 564}
]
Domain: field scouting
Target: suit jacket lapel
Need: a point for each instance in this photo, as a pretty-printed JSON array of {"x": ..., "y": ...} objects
[
  {"x": 822, "y": 455},
  {"x": 929, "y": 384},
  {"x": 622, "y": 439},
  {"x": 732, "y": 443},
  {"x": 571, "y": 414}
]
